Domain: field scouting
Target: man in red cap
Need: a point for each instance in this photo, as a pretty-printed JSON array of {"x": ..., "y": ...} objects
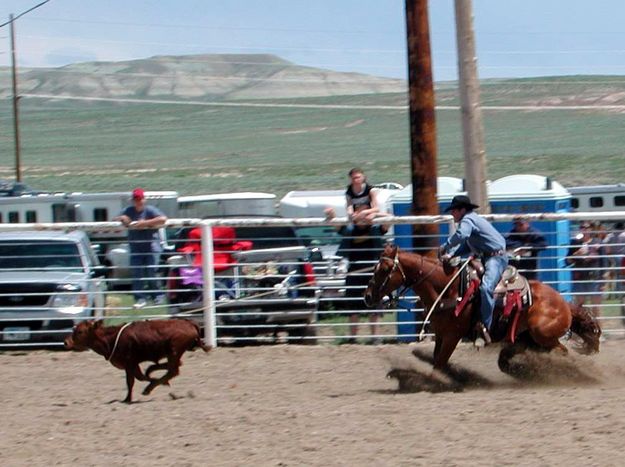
[{"x": 145, "y": 246}]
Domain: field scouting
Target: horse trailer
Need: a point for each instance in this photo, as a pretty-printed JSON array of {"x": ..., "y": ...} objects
[{"x": 598, "y": 198}]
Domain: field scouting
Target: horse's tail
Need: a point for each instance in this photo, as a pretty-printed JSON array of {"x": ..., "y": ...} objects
[{"x": 585, "y": 326}]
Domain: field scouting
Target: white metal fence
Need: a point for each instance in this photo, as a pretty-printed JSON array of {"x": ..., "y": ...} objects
[{"x": 277, "y": 288}]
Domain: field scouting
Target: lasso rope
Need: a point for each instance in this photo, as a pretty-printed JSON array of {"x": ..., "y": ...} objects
[
  {"x": 453, "y": 278},
  {"x": 270, "y": 292},
  {"x": 119, "y": 334}
]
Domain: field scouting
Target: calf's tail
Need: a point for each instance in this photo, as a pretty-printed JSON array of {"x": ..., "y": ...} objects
[
  {"x": 200, "y": 343},
  {"x": 585, "y": 326}
]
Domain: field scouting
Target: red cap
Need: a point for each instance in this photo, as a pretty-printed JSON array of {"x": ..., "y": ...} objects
[{"x": 138, "y": 193}]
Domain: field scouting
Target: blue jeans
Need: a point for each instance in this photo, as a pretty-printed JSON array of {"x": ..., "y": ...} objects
[
  {"x": 493, "y": 269},
  {"x": 142, "y": 266}
]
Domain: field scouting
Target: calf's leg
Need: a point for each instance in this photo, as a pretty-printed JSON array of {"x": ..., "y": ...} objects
[
  {"x": 153, "y": 368},
  {"x": 173, "y": 365},
  {"x": 130, "y": 382},
  {"x": 139, "y": 374}
]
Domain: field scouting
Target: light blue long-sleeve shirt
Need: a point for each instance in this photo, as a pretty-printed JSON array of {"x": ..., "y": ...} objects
[{"x": 476, "y": 235}]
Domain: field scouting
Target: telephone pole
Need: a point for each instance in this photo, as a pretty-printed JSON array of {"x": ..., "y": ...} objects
[
  {"x": 16, "y": 125},
  {"x": 472, "y": 126},
  {"x": 422, "y": 123}
]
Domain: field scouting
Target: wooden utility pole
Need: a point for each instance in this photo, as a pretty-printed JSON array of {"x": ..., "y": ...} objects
[
  {"x": 16, "y": 127},
  {"x": 422, "y": 122},
  {"x": 472, "y": 126}
]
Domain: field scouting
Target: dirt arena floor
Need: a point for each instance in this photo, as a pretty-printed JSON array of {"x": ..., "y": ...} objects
[{"x": 324, "y": 405}]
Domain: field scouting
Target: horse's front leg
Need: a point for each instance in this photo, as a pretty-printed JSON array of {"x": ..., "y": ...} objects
[
  {"x": 424, "y": 355},
  {"x": 442, "y": 352}
]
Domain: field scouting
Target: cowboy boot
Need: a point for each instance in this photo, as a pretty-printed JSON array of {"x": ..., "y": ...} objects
[{"x": 483, "y": 334}]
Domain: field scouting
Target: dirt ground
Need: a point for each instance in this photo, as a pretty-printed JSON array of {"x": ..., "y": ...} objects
[{"x": 313, "y": 405}]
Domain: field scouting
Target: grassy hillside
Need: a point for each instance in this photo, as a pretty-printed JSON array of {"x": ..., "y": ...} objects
[
  {"x": 198, "y": 77},
  {"x": 199, "y": 149}
]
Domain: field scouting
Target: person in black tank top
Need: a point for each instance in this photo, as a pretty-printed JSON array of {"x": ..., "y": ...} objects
[
  {"x": 361, "y": 195},
  {"x": 361, "y": 245}
]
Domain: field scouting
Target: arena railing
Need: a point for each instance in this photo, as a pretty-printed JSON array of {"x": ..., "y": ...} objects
[{"x": 332, "y": 324}]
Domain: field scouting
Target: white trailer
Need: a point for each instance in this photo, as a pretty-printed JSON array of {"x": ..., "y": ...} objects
[
  {"x": 227, "y": 205},
  {"x": 313, "y": 203}
]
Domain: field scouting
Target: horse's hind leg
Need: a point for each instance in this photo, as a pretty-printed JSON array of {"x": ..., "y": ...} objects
[{"x": 507, "y": 353}]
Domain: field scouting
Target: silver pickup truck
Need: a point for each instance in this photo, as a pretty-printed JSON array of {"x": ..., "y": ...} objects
[{"x": 49, "y": 281}]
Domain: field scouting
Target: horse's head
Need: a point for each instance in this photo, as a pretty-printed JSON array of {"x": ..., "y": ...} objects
[{"x": 388, "y": 275}]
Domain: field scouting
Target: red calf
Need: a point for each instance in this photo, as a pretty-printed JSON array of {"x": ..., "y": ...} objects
[{"x": 128, "y": 345}]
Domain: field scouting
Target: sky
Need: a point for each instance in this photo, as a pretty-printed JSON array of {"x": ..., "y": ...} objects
[{"x": 514, "y": 38}]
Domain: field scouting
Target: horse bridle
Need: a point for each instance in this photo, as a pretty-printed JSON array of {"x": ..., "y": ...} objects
[
  {"x": 405, "y": 283},
  {"x": 396, "y": 266}
]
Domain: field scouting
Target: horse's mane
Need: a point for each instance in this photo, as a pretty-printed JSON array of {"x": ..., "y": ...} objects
[
  {"x": 433, "y": 262},
  {"x": 429, "y": 259}
]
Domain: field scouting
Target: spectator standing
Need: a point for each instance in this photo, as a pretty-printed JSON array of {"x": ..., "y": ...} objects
[
  {"x": 612, "y": 253},
  {"x": 614, "y": 249},
  {"x": 145, "y": 247},
  {"x": 361, "y": 245},
  {"x": 525, "y": 242},
  {"x": 584, "y": 258}
]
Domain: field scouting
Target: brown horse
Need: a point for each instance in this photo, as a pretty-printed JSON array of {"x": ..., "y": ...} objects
[{"x": 539, "y": 327}]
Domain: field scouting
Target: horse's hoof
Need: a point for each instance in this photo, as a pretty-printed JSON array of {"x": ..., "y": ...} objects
[{"x": 479, "y": 343}]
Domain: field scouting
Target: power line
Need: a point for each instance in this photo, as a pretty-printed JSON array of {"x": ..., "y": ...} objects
[
  {"x": 216, "y": 28},
  {"x": 23, "y": 13}
]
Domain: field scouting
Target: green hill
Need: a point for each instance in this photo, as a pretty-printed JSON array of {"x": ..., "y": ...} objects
[{"x": 307, "y": 142}]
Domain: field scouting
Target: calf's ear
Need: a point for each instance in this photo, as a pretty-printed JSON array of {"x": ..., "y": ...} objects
[{"x": 98, "y": 324}]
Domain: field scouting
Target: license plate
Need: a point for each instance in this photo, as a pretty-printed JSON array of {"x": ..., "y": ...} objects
[{"x": 16, "y": 334}]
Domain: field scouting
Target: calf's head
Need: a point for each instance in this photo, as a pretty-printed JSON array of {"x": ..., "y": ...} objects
[{"x": 83, "y": 335}]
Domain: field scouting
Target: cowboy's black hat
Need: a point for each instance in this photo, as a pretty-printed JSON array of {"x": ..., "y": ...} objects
[{"x": 461, "y": 201}]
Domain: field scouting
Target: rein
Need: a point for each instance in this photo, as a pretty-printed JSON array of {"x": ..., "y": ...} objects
[
  {"x": 438, "y": 299},
  {"x": 119, "y": 334}
]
